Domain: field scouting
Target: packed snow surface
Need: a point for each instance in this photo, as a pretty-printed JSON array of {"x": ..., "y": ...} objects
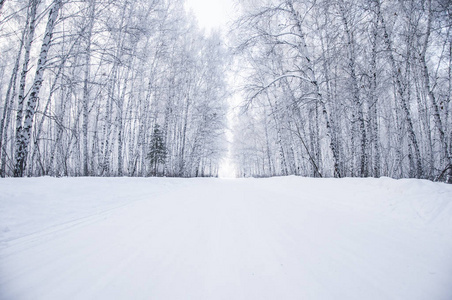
[{"x": 277, "y": 238}]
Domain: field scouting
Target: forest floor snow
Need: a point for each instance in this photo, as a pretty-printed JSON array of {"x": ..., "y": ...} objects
[{"x": 205, "y": 238}]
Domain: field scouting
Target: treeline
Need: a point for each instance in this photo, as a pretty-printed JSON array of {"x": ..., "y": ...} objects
[
  {"x": 86, "y": 85},
  {"x": 346, "y": 88}
]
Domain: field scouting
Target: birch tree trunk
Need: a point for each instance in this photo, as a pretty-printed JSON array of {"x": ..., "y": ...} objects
[
  {"x": 363, "y": 171},
  {"x": 24, "y": 139},
  {"x": 86, "y": 93},
  {"x": 20, "y": 160},
  {"x": 304, "y": 55},
  {"x": 9, "y": 102},
  {"x": 401, "y": 93},
  {"x": 432, "y": 97},
  {"x": 373, "y": 102}
]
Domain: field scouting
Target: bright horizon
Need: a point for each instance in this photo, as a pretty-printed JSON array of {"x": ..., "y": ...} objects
[{"x": 213, "y": 14}]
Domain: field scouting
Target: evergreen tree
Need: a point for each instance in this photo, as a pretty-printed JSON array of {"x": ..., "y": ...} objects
[{"x": 157, "y": 151}]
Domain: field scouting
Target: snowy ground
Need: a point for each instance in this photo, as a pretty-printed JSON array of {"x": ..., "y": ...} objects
[{"x": 278, "y": 238}]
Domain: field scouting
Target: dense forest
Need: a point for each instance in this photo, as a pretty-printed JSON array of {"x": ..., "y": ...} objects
[
  {"x": 87, "y": 86},
  {"x": 345, "y": 88}
]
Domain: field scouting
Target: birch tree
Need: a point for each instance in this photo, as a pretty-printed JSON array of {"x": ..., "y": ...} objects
[
  {"x": 24, "y": 135},
  {"x": 371, "y": 69}
]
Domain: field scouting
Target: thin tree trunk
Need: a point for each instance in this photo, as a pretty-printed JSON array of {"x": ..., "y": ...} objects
[
  {"x": 40, "y": 125},
  {"x": 401, "y": 96},
  {"x": 184, "y": 134},
  {"x": 267, "y": 144},
  {"x": 95, "y": 144},
  {"x": 120, "y": 126},
  {"x": 92, "y": 6},
  {"x": 355, "y": 95},
  {"x": 373, "y": 102},
  {"x": 376, "y": 166},
  {"x": 22, "y": 151},
  {"x": 303, "y": 52},
  {"x": 58, "y": 144},
  {"x": 9, "y": 102},
  {"x": 21, "y": 95},
  {"x": 431, "y": 96}
]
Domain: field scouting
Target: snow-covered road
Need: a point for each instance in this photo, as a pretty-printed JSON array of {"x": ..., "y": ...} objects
[{"x": 278, "y": 238}]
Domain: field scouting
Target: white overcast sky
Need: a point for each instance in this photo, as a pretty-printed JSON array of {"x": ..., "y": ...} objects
[{"x": 212, "y": 14}]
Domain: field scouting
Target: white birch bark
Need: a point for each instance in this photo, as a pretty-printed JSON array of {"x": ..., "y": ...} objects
[
  {"x": 24, "y": 141},
  {"x": 362, "y": 154},
  {"x": 432, "y": 97},
  {"x": 401, "y": 93},
  {"x": 304, "y": 54},
  {"x": 86, "y": 87},
  {"x": 18, "y": 170},
  {"x": 9, "y": 102}
]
